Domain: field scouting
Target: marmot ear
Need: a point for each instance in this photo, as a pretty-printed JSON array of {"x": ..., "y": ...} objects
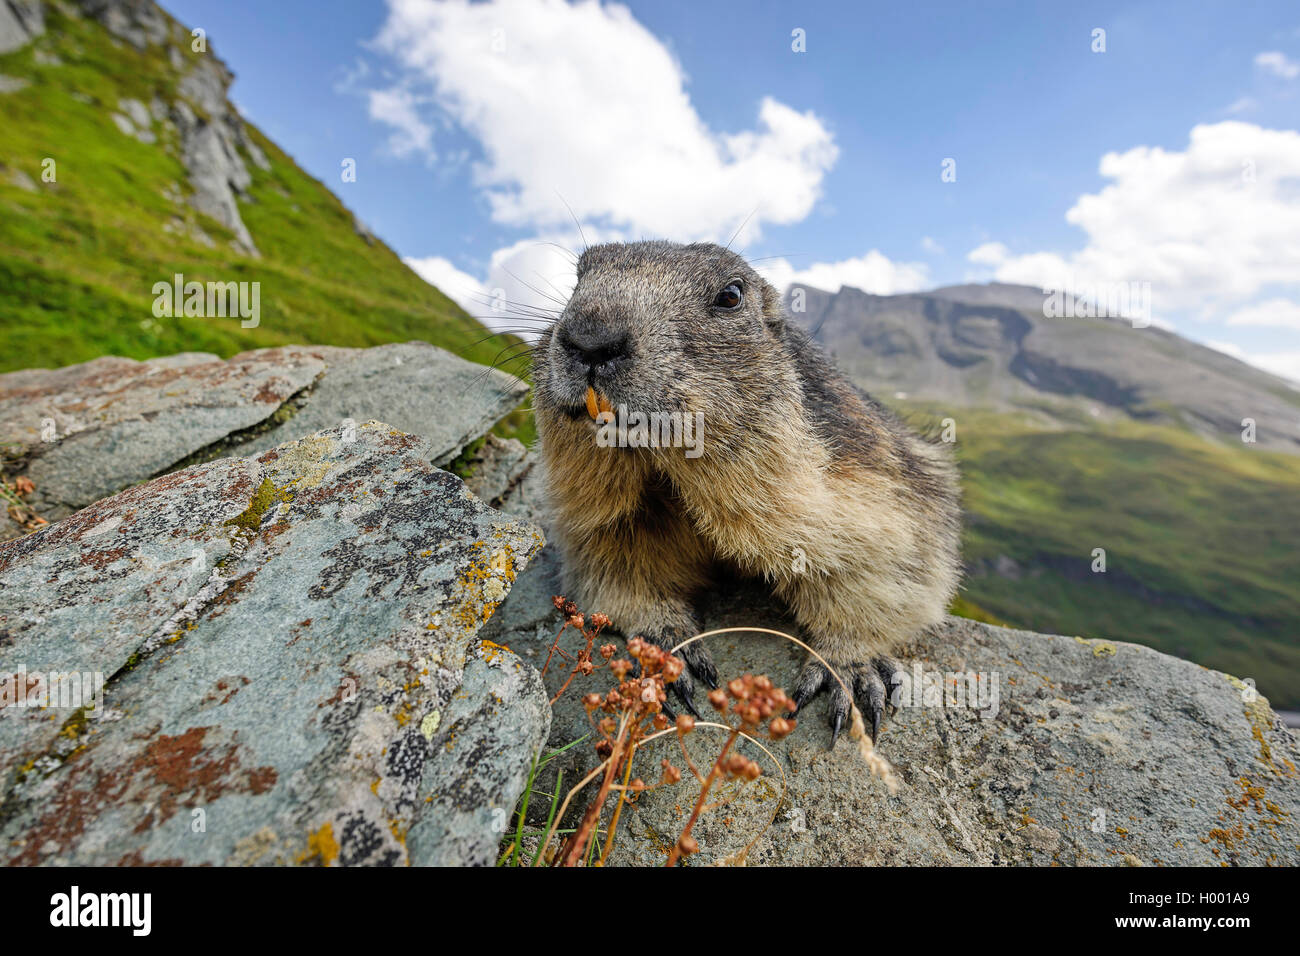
[{"x": 773, "y": 313}]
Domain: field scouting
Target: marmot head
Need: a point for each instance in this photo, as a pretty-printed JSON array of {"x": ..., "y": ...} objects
[{"x": 661, "y": 327}]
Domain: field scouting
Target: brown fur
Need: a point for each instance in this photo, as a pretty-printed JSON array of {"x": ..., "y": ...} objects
[{"x": 796, "y": 461}]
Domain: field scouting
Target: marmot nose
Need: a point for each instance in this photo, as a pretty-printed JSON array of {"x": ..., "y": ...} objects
[{"x": 597, "y": 347}]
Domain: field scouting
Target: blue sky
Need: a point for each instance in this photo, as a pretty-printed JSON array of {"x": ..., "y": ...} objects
[{"x": 476, "y": 127}]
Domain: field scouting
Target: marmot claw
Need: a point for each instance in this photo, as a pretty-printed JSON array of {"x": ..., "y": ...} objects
[{"x": 873, "y": 683}]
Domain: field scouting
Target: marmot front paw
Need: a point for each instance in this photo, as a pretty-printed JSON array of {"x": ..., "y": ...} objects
[
  {"x": 698, "y": 663},
  {"x": 872, "y": 682}
]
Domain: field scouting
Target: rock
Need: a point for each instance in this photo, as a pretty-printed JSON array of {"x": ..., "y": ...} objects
[
  {"x": 413, "y": 386},
  {"x": 138, "y": 22},
  {"x": 16, "y": 177},
  {"x": 89, "y": 430},
  {"x": 217, "y": 175},
  {"x": 137, "y": 112},
  {"x": 205, "y": 87},
  {"x": 1096, "y": 753},
  {"x": 21, "y": 21},
  {"x": 213, "y": 136},
  {"x": 362, "y": 230},
  {"x": 497, "y": 467},
  {"x": 128, "y": 128},
  {"x": 291, "y": 664},
  {"x": 12, "y": 84}
]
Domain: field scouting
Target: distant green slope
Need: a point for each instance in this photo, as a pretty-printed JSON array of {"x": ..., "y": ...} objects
[
  {"x": 79, "y": 257},
  {"x": 1202, "y": 540}
]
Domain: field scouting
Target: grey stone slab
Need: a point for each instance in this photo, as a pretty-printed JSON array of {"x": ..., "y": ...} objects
[{"x": 306, "y": 701}]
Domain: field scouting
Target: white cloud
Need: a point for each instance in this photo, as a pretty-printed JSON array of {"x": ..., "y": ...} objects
[
  {"x": 1274, "y": 313},
  {"x": 1245, "y": 104},
  {"x": 525, "y": 285},
  {"x": 397, "y": 108},
  {"x": 873, "y": 272},
  {"x": 1278, "y": 64},
  {"x": 461, "y": 287},
  {"x": 931, "y": 246},
  {"x": 989, "y": 254},
  {"x": 1208, "y": 227},
  {"x": 1285, "y": 364},
  {"x": 582, "y": 104}
]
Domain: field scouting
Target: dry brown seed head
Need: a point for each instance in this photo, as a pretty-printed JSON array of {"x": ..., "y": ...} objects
[
  {"x": 718, "y": 699},
  {"x": 685, "y": 723}
]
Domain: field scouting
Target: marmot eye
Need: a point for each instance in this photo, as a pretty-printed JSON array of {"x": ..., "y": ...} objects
[{"x": 730, "y": 297}]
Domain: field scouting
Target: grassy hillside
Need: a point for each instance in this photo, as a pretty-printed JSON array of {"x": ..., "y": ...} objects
[
  {"x": 79, "y": 256},
  {"x": 1202, "y": 540}
]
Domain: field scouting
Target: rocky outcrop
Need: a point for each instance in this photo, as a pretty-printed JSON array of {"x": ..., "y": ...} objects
[
  {"x": 211, "y": 138},
  {"x": 21, "y": 21},
  {"x": 287, "y": 637},
  {"x": 1079, "y": 752},
  {"x": 289, "y": 664},
  {"x": 85, "y": 431}
]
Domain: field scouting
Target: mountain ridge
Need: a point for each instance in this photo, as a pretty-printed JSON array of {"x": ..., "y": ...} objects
[{"x": 991, "y": 345}]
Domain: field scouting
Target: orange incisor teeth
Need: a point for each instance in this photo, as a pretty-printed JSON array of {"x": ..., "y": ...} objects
[{"x": 597, "y": 404}]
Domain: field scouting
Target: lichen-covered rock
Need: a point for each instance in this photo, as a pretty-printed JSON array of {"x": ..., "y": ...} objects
[
  {"x": 413, "y": 386},
  {"x": 497, "y": 467},
  {"x": 1091, "y": 753},
  {"x": 89, "y": 430},
  {"x": 291, "y": 663}
]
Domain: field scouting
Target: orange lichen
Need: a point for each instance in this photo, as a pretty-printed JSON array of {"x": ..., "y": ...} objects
[{"x": 321, "y": 845}]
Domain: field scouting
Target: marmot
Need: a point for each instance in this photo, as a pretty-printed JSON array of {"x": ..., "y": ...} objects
[{"x": 798, "y": 476}]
